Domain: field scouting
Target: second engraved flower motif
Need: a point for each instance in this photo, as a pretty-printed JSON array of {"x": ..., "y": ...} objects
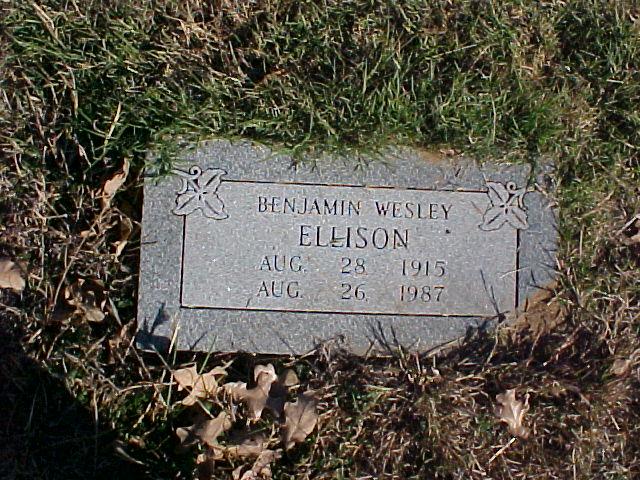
[
  {"x": 199, "y": 191},
  {"x": 506, "y": 207}
]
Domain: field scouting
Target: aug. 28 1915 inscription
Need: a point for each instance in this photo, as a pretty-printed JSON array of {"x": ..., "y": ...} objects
[{"x": 415, "y": 251}]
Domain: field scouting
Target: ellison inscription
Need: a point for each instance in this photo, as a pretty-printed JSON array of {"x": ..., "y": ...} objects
[
  {"x": 239, "y": 255},
  {"x": 321, "y": 248}
]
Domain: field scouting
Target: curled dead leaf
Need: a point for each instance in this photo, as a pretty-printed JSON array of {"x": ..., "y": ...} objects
[
  {"x": 119, "y": 344},
  {"x": 288, "y": 378},
  {"x": 237, "y": 472},
  {"x": 264, "y": 374},
  {"x": 633, "y": 239},
  {"x": 11, "y": 276},
  {"x": 89, "y": 299},
  {"x": 62, "y": 313},
  {"x": 243, "y": 445},
  {"x": 126, "y": 227},
  {"x": 270, "y": 391},
  {"x": 199, "y": 385},
  {"x": 255, "y": 398},
  {"x": 205, "y": 463},
  {"x": 541, "y": 313},
  {"x": 448, "y": 152},
  {"x": 279, "y": 391},
  {"x": 113, "y": 184},
  {"x": 261, "y": 468},
  {"x": 205, "y": 431},
  {"x": 301, "y": 418},
  {"x": 512, "y": 412},
  {"x": 622, "y": 366}
]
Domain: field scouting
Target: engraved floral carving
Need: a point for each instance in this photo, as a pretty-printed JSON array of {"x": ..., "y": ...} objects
[
  {"x": 200, "y": 191},
  {"x": 507, "y": 206}
]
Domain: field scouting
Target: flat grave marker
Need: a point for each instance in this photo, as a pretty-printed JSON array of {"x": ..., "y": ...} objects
[{"x": 243, "y": 251}]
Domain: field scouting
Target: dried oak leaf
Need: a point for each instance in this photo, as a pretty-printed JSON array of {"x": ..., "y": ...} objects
[
  {"x": 205, "y": 431},
  {"x": 622, "y": 366},
  {"x": 119, "y": 344},
  {"x": 199, "y": 385},
  {"x": 270, "y": 391},
  {"x": 448, "y": 152},
  {"x": 261, "y": 468},
  {"x": 512, "y": 412},
  {"x": 237, "y": 472},
  {"x": 634, "y": 239},
  {"x": 88, "y": 297},
  {"x": 279, "y": 390},
  {"x": 11, "y": 275},
  {"x": 206, "y": 465},
  {"x": 113, "y": 184},
  {"x": 62, "y": 313},
  {"x": 243, "y": 445},
  {"x": 541, "y": 313},
  {"x": 301, "y": 418},
  {"x": 126, "y": 227}
]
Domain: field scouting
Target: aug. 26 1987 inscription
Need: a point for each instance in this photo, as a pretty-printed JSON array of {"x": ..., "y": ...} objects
[{"x": 414, "y": 251}]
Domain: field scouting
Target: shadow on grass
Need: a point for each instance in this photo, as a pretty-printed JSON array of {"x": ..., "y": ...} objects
[{"x": 46, "y": 433}]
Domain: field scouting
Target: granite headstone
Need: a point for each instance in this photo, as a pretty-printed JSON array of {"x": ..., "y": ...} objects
[{"x": 243, "y": 251}]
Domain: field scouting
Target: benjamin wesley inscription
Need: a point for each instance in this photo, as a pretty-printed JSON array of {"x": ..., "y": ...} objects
[{"x": 275, "y": 260}]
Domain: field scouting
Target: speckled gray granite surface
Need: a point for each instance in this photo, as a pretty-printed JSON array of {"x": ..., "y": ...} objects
[{"x": 243, "y": 252}]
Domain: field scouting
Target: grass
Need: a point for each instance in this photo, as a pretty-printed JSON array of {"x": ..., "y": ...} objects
[{"x": 85, "y": 85}]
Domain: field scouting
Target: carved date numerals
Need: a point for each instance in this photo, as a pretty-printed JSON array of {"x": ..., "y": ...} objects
[
  {"x": 425, "y": 293},
  {"x": 353, "y": 266},
  {"x": 353, "y": 292},
  {"x": 424, "y": 268}
]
